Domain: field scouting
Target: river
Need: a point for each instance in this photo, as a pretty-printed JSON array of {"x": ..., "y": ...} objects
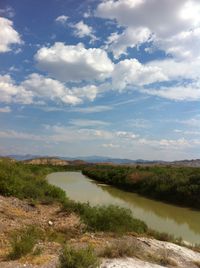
[{"x": 179, "y": 221}]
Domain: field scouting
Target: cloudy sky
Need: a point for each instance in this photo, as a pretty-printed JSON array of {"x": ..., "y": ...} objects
[{"x": 118, "y": 78}]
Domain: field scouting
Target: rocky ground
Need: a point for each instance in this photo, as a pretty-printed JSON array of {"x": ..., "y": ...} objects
[{"x": 145, "y": 252}]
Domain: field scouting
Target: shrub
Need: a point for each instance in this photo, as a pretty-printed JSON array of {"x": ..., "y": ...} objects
[
  {"x": 81, "y": 258},
  {"x": 106, "y": 218},
  {"x": 163, "y": 236},
  {"x": 27, "y": 181},
  {"x": 23, "y": 242},
  {"x": 120, "y": 250}
]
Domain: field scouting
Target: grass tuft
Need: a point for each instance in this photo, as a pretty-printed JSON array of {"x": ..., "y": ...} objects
[
  {"x": 120, "y": 250},
  {"x": 23, "y": 242},
  {"x": 81, "y": 258}
]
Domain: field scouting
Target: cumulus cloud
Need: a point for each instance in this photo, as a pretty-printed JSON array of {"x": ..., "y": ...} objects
[
  {"x": 74, "y": 63},
  {"x": 61, "y": 19},
  {"x": 37, "y": 88},
  {"x": 11, "y": 92},
  {"x": 8, "y": 35},
  {"x": 172, "y": 26},
  {"x": 132, "y": 72},
  {"x": 118, "y": 43},
  {"x": 81, "y": 30},
  {"x": 168, "y": 21},
  {"x": 184, "y": 45},
  {"x": 48, "y": 88},
  {"x": 54, "y": 90}
]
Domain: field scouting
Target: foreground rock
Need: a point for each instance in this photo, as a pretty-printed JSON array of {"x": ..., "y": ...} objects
[{"x": 127, "y": 263}]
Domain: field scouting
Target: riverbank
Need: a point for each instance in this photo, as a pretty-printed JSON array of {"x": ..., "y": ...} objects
[
  {"x": 159, "y": 216},
  {"x": 61, "y": 227},
  {"x": 175, "y": 185}
]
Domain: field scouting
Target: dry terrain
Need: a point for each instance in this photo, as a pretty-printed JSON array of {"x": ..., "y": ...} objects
[{"x": 119, "y": 252}]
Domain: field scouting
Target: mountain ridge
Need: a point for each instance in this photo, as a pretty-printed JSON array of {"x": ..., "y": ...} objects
[{"x": 104, "y": 159}]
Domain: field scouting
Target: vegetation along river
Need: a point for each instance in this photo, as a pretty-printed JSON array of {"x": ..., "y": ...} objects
[{"x": 179, "y": 221}]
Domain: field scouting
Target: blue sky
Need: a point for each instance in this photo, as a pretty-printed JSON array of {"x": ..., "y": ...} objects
[{"x": 115, "y": 78}]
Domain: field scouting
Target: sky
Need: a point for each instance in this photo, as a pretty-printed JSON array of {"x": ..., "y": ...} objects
[{"x": 116, "y": 78}]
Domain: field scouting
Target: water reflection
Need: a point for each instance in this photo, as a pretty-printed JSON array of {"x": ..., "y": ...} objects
[
  {"x": 166, "y": 211},
  {"x": 162, "y": 217}
]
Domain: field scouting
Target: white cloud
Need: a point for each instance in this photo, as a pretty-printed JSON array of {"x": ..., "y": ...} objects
[
  {"x": 55, "y": 90},
  {"x": 81, "y": 30},
  {"x": 177, "y": 93},
  {"x": 167, "y": 143},
  {"x": 132, "y": 72},
  {"x": 187, "y": 132},
  {"x": 110, "y": 145},
  {"x": 89, "y": 92},
  {"x": 87, "y": 123},
  {"x": 37, "y": 88},
  {"x": 12, "y": 134},
  {"x": 5, "y": 109},
  {"x": 50, "y": 89},
  {"x": 118, "y": 43},
  {"x": 11, "y": 92},
  {"x": 74, "y": 63},
  {"x": 173, "y": 24},
  {"x": 62, "y": 19},
  {"x": 126, "y": 135},
  {"x": 8, "y": 35},
  {"x": 184, "y": 45},
  {"x": 92, "y": 109},
  {"x": 176, "y": 69},
  {"x": 179, "y": 71},
  {"x": 87, "y": 14},
  {"x": 65, "y": 134}
]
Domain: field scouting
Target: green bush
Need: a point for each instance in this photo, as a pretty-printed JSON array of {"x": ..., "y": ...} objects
[
  {"x": 81, "y": 258},
  {"x": 106, "y": 218},
  {"x": 28, "y": 181},
  {"x": 23, "y": 242}
]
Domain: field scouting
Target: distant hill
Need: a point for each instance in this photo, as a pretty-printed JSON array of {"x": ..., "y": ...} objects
[
  {"x": 90, "y": 159},
  {"x": 55, "y": 161},
  {"x": 187, "y": 163},
  {"x": 107, "y": 160},
  {"x": 104, "y": 159},
  {"x": 47, "y": 161}
]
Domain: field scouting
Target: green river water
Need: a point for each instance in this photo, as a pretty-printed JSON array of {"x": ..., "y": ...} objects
[{"x": 179, "y": 221}]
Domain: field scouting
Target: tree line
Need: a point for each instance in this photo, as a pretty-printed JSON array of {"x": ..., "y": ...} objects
[{"x": 178, "y": 185}]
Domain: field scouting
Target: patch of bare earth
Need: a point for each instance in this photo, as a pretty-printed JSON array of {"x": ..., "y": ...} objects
[{"x": 16, "y": 214}]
